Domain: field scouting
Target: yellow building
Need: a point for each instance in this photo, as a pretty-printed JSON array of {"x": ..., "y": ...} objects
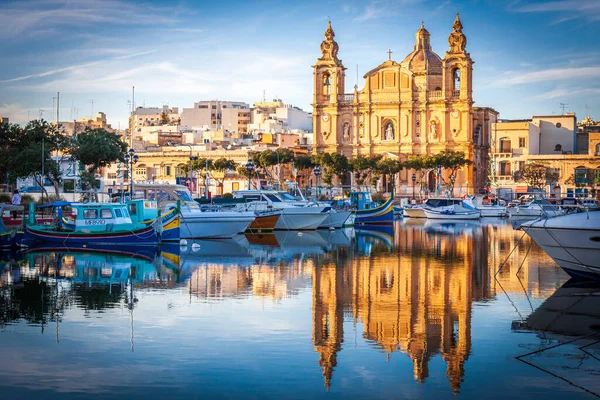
[{"x": 421, "y": 105}]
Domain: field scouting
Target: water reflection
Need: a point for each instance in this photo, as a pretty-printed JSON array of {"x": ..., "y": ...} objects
[{"x": 409, "y": 289}]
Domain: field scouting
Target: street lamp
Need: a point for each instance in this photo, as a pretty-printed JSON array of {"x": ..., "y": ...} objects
[
  {"x": 414, "y": 179},
  {"x": 317, "y": 173},
  {"x": 131, "y": 159},
  {"x": 250, "y": 169}
]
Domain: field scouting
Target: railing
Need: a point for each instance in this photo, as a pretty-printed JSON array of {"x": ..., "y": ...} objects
[
  {"x": 345, "y": 98},
  {"x": 436, "y": 94},
  {"x": 456, "y": 93},
  {"x": 518, "y": 152},
  {"x": 505, "y": 151}
]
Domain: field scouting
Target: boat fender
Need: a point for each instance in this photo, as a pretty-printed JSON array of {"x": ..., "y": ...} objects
[{"x": 196, "y": 247}]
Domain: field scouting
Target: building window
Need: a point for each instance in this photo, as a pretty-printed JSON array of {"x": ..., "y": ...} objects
[
  {"x": 140, "y": 171},
  {"x": 505, "y": 169},
  {"x": 168, "y": 170},
  {"x": 558, "y": 124},
  {"x": 521, "y": 165},
  {"x": 214, "y": 107},
  {"x": 111, "y": 175},
  {"x": 521, "y": 142},
  {"x": 235, "y": 186},
  {"x": 581, "y": 176},
  {"x": 558, "y": 147},
  {"x": 505, "y": 145}
]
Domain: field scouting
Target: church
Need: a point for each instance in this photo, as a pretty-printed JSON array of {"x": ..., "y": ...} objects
[{"x": 420, "y": 106}]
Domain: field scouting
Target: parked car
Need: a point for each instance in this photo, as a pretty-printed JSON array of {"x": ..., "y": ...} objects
[{"x": 31, "y": 189}]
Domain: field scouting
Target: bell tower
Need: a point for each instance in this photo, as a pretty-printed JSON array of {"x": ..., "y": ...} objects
[
  {"x": 458, "y": 65},
  {"x": 329, "y": 82}
]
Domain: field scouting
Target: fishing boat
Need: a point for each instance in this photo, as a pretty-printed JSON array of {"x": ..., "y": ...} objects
[
  {"x": 294, "y": 216},
  {"x": 370, "y": 212},
  {"x": 264, "y": 222},
  {"x": 136, "y": 223},
  {"x": 572, "y": 240},
  {"x": 10, "y": 238},
  {"x": 196, "y": 223}
]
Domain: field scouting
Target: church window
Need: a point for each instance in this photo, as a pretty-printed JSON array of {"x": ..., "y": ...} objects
[
  {"x": 326, "y": 84},
  {"x": 558, "y": 124},
  {"x": 598, "y": 149},
  {"x": 456, "y": 79}
]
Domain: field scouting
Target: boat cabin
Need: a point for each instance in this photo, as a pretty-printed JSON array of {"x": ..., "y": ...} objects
[
  {"x": 165, "y": 195},
  {"x": 362, "y": 201}
]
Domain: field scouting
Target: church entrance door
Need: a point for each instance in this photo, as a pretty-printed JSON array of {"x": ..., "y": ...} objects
[{"x": 431, "y": 182}]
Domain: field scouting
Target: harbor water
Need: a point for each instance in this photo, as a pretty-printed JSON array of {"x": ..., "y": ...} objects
[{"x": 423, "y": 309}]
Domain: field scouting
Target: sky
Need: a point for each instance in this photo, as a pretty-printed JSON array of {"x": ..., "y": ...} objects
[{"x": 530, "y": 56}]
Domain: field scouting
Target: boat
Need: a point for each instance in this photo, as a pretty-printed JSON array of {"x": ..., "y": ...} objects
[
  {"x": 440, "y": 203},
  {"x": 10, "y": 238},
  {"x": 535, "y": 208},
  {"x": 370, "y": 212},
  {"x": 488, "y": 207},
  {"x": 456, "y": 212},
  {"x": 572, "y": 241},
  {"x": 294, "y": 215},
  {"x": 195, "y": 223},
  {"x": 337, "y": 218},
  {"x": 136, "y": 223}
]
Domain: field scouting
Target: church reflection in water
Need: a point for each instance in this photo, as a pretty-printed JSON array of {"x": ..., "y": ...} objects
[{"x": 414, "y": 292}]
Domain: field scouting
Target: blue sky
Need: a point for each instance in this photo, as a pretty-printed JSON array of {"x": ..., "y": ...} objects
[{"x": 530, "y": 56}]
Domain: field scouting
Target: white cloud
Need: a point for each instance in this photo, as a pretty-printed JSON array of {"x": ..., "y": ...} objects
[
  {"x": 552, "y": 74},
  {"x": 568, "y": 92},
  {"x": 376, "y": 9},
  {"x": 588, "y": 9}
]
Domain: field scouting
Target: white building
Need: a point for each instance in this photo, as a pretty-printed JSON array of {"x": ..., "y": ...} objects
[
  {"x": 232, "y": 116},
  {"x": 275, "y": 116}
]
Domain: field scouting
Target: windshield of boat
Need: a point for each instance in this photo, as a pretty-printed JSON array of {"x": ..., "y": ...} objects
[
  {"x": 287, "y": 196},
  {"x": 273, "y": 198},
  {"x": 442, "y": 202},
  {"x": 184, "y": 195}
]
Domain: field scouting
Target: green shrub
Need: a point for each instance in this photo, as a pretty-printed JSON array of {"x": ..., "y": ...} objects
[
  {"x": 227, "y": 196},
  {"x": 5, "y": 198},
  {"x": 27, "y": 198},
  {"x": 378, "y": 197}
]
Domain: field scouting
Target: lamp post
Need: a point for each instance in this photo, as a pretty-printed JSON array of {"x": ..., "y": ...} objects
[
  {"x": 192, "y": 158},
  {"x": 317, "y": 173},
  {"x": 250, "y": 169},
  {"x": 131, "y": 159},
  {"x": 414, "y": 179}
]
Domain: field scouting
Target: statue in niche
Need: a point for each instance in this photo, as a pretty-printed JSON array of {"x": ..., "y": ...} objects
[
  {"x": 433, "y": 131},
  {"x": 389, "y": 131},
  {"x": 346, "y": 131}
]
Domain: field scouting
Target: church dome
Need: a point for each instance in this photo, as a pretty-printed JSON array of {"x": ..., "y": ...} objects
[{"x": 422, "y": 57}]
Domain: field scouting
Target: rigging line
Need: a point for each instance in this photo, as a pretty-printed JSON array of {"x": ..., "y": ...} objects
[
  {"x": 525, "y": 291},
  {"x": 509, "y": 299},
  {"x": 582, "y": 348},
  {"x": 513, "y": 249}
]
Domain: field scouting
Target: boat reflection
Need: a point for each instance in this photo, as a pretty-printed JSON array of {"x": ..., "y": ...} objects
[{"x": 569, "y": 323}]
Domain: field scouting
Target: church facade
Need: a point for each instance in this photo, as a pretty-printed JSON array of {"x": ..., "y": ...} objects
[{"x": 420, "y": 106}]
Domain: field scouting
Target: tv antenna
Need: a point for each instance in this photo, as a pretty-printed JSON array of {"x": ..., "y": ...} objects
[
  {"x": 563, "y": 106},
  {"x": 587, "y": 108},
  {"x": 92, "y": 102}
]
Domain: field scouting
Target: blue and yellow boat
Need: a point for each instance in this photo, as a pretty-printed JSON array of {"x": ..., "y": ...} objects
[{"x": 370, "y": 212}]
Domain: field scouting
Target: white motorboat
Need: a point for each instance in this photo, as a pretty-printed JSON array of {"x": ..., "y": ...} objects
[
  {"x": 487, "y": 210},
  {"x": 195, "y": 223},
  {"x": 336, "y": 218},
  {"x": 456, "y": 212},
  {"x": 294, "y": 216},
  {"x": 535, "y": 208},
  {"x": 433, "y": 203},
  {"x": 573, "y": 241}
]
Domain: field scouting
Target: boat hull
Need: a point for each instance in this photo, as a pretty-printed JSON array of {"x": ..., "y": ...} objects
[
  {"x": 382, "y": 215},
  {"x": 301, "y": 218},
  {"x": 493, "y": 211},
  {"x": 452, "y": 215},
  {"x": 574, "y": 246},
  {"x": 216, "y": 225},
  {"x": 263, "y": 223},
  {"x": 415, "y": 212},
  {"x": 139, "y": 237},
  {"x": 335, "y": 219}
]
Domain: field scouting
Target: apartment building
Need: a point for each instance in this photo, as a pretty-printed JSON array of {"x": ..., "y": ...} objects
[{"x": 232, "y": 116}]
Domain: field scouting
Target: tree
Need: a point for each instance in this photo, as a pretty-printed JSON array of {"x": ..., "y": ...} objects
[
  {"x": 389, "y": 167},
  {"x": 303, "y": 163},
  {"x": 452, "y": 161},
  {"x": 535, "y": 175},
  {"x": 420, "y": 164},
  {"x": 21, "y": 153},
  {"x": 335, "y": 164},
  {"x": 223, "y": 165},
  {"x": 164, "y": 118},
  {"x": 365, "y": 169}
]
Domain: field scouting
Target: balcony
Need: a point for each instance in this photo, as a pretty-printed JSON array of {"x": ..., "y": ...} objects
[
  {"x": 345, "y": 98},
  {"x": 518, "y": 152},
  {"x": 436, "y": 94},
  {"x": 456, "y": 93}
]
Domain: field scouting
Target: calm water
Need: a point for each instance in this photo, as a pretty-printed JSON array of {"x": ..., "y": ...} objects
[{"x": 409, "y": 312}]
